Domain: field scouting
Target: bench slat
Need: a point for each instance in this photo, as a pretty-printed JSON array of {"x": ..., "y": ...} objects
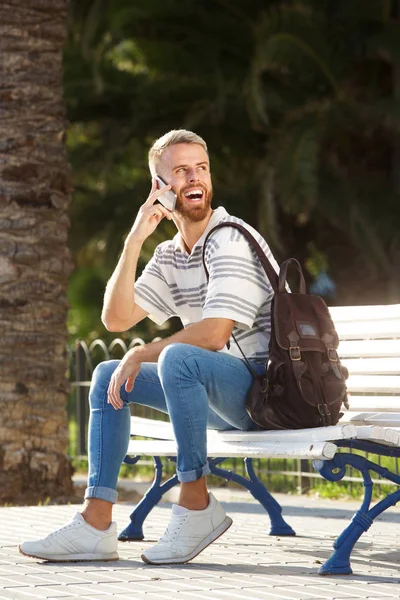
[
  {"x": 151, "y": 428},
  {"x": 320, "y": 434},
  {"x": 379, "y": 434},
  {"x": 389, "y": 384},
  {"x": 360, "y": 330},
  {"x": 160, "y": 430},
  {"x": 163, "y": 431},
  {"x": 374, "y": 403},
  {"x": 365, "y": 313},
  {"x": 384, "y": 366},
  {"x": 317, "y": 450},
  {"x": 369, "y": 348},
  {"x": 383, "y": 419}
]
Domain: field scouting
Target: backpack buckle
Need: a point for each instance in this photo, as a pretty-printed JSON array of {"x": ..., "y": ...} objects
[
  {"x": 333, "y": 355},
  {"x": 294, "y": 353},
  {"x": 324, "y": 410}
]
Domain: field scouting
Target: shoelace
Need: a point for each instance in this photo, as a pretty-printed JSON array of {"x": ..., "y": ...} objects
[
  {"x": 57, "y": 531},
  {"x": 174, "y": 527}
]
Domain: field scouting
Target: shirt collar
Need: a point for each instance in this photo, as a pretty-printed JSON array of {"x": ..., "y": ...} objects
[{"x": 217, "y": 216}]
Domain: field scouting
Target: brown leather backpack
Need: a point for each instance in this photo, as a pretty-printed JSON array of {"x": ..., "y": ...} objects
[{"x": 304, "y": 383}]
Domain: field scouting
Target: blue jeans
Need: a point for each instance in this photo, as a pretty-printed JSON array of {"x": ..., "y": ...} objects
[{"x": 197, "y": 388}]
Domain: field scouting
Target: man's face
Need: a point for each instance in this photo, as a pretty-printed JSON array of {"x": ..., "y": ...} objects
[{"x": 186, "y": 168}]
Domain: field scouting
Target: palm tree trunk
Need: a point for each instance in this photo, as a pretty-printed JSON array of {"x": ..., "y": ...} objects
[
  {"x": 34, "y": 258},
  {"x": 394, "y": 284}
]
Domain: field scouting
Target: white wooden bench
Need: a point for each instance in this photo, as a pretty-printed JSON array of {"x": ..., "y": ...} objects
[{"x": 370, "y": 348}]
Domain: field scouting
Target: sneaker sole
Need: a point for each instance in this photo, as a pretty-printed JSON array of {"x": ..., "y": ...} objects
[
  {"x": 76, "y": 558},
  {"x": 214, "y": 535}
]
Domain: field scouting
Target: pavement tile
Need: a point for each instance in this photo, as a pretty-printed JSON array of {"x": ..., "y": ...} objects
[
  {"x": 244, "y": 563},
  {"x": 178, "y": 596},
  {"x": 25, "y": 580},
  {"x": 29, "y": 593},
  {"x": 80, "y": 590},
  {"x": 240, "y": 595},
  {"x": 8, "y": 595},
  {"x": 384, "y": 590},
  {"x": 283, "y": 592}
]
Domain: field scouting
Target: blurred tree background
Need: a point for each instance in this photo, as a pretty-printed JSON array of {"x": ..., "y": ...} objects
[{"x": 299, "y": 102}]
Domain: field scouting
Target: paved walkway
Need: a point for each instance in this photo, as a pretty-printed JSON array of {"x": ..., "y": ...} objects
[{"x": 245, "y": 563}]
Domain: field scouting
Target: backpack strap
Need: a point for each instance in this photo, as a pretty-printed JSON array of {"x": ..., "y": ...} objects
[{"x": 268, "y": 268}]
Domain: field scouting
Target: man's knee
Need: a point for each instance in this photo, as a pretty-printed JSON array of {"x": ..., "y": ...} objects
[
  {"x": 175, "y": 359},
  {"x": 101, "y": 380}
]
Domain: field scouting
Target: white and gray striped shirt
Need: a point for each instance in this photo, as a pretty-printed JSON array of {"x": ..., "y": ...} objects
[{"x": 174, "y": 283}]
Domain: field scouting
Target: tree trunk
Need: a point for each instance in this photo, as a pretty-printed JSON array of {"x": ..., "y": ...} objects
[
  {"x": 394, "y": 284},
  {"x": 34, "y": 258}
]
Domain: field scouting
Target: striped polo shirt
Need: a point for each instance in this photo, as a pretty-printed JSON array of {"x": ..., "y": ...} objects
[{"x": 174, "y": 283}]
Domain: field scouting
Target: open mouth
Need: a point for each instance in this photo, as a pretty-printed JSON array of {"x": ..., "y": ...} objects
[{"x": 194, "y": 195}]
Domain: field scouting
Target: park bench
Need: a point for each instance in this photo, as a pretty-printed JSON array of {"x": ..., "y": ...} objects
[{"x": 370, "y": 348}]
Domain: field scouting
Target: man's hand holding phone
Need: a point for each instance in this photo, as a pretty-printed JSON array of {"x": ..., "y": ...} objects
[
  {"x": 150, "y": 214},
  {"x": 168, "y": 198}
]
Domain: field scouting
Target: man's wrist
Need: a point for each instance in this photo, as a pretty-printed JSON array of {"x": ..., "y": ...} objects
[
  {"x": 132, "y": 241},
  {"x": 139, "y": 353},
  {"x": 149, "y": 352}
]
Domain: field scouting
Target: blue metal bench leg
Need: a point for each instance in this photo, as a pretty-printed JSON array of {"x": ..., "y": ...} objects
[
  {"x": 334, "y": 470},
  {"x": 258, "y": 491},
  {"x": 134, "y": 531}
]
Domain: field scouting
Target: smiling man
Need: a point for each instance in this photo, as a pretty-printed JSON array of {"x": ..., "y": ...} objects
[{"x": 196, "y": 375}]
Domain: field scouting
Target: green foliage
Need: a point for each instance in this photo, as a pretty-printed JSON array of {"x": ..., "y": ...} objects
[
  {"x": 317, "y": 261},
  {"x": 297, "y": 99}
]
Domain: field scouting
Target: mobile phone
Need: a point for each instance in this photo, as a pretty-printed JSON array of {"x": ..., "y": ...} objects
[{"x": 168, "y": 198}]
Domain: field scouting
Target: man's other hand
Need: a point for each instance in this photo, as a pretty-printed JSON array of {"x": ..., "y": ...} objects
[{"x": 126, "y": 371}]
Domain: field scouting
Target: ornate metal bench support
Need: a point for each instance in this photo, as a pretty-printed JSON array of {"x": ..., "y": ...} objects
[
  {"x": 334, "y": 470},
  {"x": 258, "y": 491},
  {"x": 134, "y": 531}
]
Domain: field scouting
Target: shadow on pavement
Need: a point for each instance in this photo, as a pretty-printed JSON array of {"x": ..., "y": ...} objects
[
  {"x": 277, "y": 569},
  {"x": 307, "y": 511}
]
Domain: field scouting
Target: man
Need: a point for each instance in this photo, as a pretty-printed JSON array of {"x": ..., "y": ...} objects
[{"x": 196, "y": 375}]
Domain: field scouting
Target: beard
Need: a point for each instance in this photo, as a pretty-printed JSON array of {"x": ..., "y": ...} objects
[{"x": 197, "y": 212}]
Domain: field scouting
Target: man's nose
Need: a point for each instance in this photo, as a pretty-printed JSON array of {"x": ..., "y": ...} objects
[{"x": 192, "y": 175}]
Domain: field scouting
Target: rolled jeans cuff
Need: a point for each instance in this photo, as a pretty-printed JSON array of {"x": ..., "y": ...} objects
[
  {"x": 188, "y": 476},
  {"x": 101, "y": 493}
]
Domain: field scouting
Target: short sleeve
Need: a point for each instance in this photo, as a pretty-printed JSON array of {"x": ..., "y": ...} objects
[
  {"x": 238, "y": 285},
  {"x": 153, "y": 294}
]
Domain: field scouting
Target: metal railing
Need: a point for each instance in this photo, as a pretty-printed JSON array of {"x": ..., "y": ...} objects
[
  {"x": 83, "y": 359},
  {"x": 297, "y": 475}
]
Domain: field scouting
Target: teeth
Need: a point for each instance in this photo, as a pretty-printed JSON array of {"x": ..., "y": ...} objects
[{"x": 193, "y": 193}]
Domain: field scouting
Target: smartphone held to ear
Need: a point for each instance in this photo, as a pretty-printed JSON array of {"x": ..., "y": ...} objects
[{"x": 168, "y": 198}]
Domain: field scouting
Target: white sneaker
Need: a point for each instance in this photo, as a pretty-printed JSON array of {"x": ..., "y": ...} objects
[
  {"x": 75, "y": 541},
  {"x": 188, "y": 533}
]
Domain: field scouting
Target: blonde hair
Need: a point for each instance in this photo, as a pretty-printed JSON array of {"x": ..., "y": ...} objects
[{"x": 175, "y": 136}]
